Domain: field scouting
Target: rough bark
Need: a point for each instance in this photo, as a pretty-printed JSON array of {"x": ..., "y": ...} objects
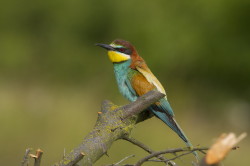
[
  {"x": 116, "y": 122},
  {"x": 113, "y": 123}
]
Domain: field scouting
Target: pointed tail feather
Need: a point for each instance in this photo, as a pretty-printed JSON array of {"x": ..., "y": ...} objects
[
  {"x": 185, "y": 139},
  {"x": 170, "y": 121}
]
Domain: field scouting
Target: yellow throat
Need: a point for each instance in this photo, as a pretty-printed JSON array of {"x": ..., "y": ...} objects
[{"x": 115, "y": 56}]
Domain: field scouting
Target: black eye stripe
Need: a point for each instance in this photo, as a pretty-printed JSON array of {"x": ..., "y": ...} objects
[
  {"x": 128, "y": 52},
  {"x": 124, "y": 50},
  {"x": 120, "y": 49}
]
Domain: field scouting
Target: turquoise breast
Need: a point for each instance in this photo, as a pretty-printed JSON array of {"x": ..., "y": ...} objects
[{"x": 121, "y": 74}]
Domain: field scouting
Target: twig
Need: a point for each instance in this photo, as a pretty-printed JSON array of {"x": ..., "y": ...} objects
[
  {"x": 64, "y": 153},
  {"x": 25, "y": 161},
  {"x": 139, "y": 144},
  {"x": 37, "y": 157},
  {"x": 116, "y": 164},
  {"x": 183, "y": 154},
  {"x": 217, "y": 152},
  {"x": 140, "y": 162},
  {"x": 178, "y": 156},
  {"x": 202, "y": 151},
  {"x": 147, "y": 149}
]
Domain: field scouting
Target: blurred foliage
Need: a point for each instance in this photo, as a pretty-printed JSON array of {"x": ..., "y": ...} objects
[{"x": 53, "y": 78}]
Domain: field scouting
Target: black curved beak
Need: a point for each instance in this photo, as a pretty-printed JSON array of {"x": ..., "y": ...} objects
[{"x": 106, "y": 46}]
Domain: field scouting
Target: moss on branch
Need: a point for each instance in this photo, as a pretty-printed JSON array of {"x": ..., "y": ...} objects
[{"x": 113, "y": 123}]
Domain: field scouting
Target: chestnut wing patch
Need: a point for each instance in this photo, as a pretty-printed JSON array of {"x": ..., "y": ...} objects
[{"x": 141, "y": 85}]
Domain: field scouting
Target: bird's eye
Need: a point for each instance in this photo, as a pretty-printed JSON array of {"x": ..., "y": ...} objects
[{"x": 122, "y": 49}]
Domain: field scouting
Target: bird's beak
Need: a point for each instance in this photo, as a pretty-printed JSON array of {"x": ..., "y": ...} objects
[{"x": 106, "y": 46}]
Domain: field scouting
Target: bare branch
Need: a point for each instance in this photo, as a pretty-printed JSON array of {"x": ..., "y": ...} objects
[
  {"x": 214, "y": 155},
  {"x": 37, "y": 157},
  {"x": 25, "y": 161},
  {"x": 139, "y": 144},
  {"x": 147, "y": 149},
  {"x": 223, "y": 145},
  {"x": 116, "y": 122},
  {"x": 178, "y": 156},
  {"x": 140, "y": 162},
  {"x": 113, "y": 123},
  {"x": 142, "y": 103},
  {"x": 116, "y": 164}
]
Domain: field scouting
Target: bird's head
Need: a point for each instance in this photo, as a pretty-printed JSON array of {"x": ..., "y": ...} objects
[{"x": 119, "y": 50}]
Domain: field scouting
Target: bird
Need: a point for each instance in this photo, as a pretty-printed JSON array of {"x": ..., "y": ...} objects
[{"x": 135, "y": 79}]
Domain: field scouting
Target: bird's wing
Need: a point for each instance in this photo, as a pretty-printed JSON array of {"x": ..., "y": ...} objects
[
  {"x": 144, "y": 82},
  {"x": 130, "y": 88},
  {"x": 163, "y": 106},
  {"x": 145, "y": 71}
]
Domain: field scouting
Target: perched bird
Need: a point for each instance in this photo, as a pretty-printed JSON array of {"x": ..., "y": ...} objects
[{"x": 134, "y": 79}]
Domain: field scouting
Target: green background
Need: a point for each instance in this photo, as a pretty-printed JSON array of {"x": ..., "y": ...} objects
[{"x": 53, "y": 79}]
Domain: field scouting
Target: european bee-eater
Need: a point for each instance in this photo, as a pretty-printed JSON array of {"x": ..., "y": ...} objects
[{"x": 134, "y": 79}]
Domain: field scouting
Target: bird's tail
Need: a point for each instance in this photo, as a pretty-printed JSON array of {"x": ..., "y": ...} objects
[
  {"x": 171, "y": 122},
  {"x": 182, "y": 135}
]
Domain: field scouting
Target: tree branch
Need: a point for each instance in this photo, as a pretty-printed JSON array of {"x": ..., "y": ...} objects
[
  {"x": 37, "y": 157},
  {"x": 215, "y": 154},
  {"x": 26, "y": 157},
  {"x": 116, "y": 122},
  {"x": 223, "y": 145},
  {"x": 140, "y": 162},
  {"x": 119, "y": 162},
  {"x": 141, "y": 103},
  {"x": 147, "y": 149},
  {"x": 113, "y": 123}
]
